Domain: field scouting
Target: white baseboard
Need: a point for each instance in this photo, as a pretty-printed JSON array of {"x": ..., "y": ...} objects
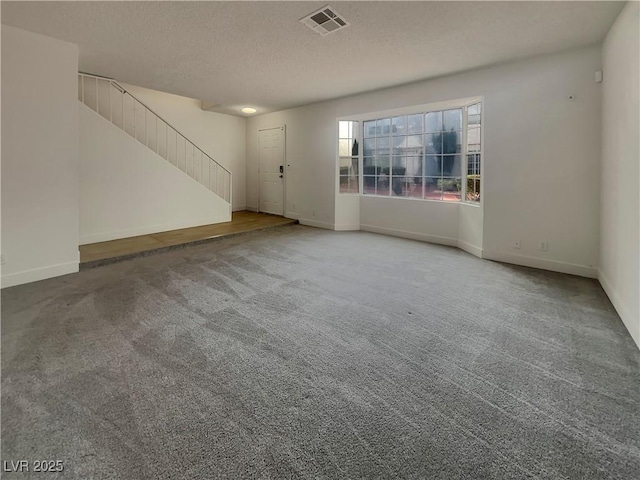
[
  {"x": 240, "y": 208},
  {"x": 315, "y": 223},
  {"x": 292, "y": 215},
  {"x": 542, "y": 263},
  {"x": 251, "y": 208},
  {"x": 469, "y": 248},
  {"x": 410, "y": 235},
  {"x": 149, "y": 229},
  {"x": 621, "y": 308},
  {"x": 28, "y": 276},
  {"x": 346, "y": 227}
]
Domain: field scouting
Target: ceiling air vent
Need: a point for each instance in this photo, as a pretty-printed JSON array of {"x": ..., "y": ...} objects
[{"x": 325, "y": 21}]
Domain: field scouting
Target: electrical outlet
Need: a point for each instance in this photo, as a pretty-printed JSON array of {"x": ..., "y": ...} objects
[
  {"x": 2, "y": 259},
  {"x": 544, "y": 246},
  {"x": 313, "y": 213},
  {"x": 516, "y": 244}
]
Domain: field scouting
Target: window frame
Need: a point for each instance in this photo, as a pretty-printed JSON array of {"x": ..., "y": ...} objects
[
  {"x": 465, "y": 132},
  {"x": 357, "y": 135},
  {"x": 463, "y": 104}
]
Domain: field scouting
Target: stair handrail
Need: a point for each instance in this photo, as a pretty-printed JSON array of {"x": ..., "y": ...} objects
[{"x": 124, "y": 90}]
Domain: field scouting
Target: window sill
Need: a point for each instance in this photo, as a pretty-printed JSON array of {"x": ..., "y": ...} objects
[{"x": 413, "y": 199}]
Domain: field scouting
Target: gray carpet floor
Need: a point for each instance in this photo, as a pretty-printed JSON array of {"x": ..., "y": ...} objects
[{"x": 303, "y": 353}]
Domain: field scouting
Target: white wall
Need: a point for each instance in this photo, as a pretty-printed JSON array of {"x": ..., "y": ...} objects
[
  {"x": 541, "y": 161},
  {"x": 347, "y": 212},
  {"x": 470, "y": 225},
  {"x": 127, "y": 190},
  {"x": 310, "y": 155},
  {"x": 222, "y": 137},
  {"x": 435, "y": 222},
  {"x": 39, "y": 157},
  {"x": 619, "y": 271}
]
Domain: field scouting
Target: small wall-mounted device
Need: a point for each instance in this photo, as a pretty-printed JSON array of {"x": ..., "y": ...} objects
[{"x": 599, "y": 76}]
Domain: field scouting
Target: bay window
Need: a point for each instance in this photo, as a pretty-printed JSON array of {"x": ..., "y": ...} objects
[{"x": 432, "y": 155}]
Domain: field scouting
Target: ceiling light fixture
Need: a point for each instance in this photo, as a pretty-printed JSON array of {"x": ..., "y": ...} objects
[{"x": 249, "y": 110}]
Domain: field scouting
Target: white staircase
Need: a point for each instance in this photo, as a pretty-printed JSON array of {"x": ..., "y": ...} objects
[{"x": 113, "y": 102}]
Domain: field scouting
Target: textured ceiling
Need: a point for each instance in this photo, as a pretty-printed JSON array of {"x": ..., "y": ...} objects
[{"x": 234, "y": 54}]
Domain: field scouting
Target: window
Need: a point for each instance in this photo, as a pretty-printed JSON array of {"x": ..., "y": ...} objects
[
  {"x": 443, "y": 155},
  {"x": 348, "y": 148},
  {"x": 423, "y": 155},
  {"x": 474, "y": 139}
]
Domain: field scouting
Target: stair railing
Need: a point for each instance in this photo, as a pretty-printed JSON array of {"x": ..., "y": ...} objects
[{"x": 113, "y": 102}]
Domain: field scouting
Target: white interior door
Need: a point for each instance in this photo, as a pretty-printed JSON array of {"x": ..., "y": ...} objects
[{"x": 271, "y": 170}]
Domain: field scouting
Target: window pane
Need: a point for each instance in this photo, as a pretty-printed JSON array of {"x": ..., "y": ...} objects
[
  {"x": 344, "y": 147},
  {"x": 375, "y": 168},
  {"x": 414, "y": 187},
  {"x": 382, "y": 144},
  {"x": 370, "y": 128},
  {"x": 347, "y": 163},
  {"x": 344, "y": 184},
  {"x": 433, "y": 143},
  {"x": 433, "y": 166},
  {"x": 473, "y": 188},
  {"x": 453, "y": 119},
  {"x": 344, "y": 129},
  {"x": 451, "y": 142},
  {"x": 473, "y": 139},
  {"x": 432, "y": 189},
  {"x": 383, "y": 126},
  {"x": 355, "y": 168},
  {"x": 399, "y": 163},
  {"x": 399, "y": 125},
  {"x": 414, "y": 166},
  {"x": 474, "y": 109},
  {"x": 398, "y": 177},
  {"x": 382, "y": 162},
  {"x": 414, "y": 145},
  {"x": 399, "y": 186},
  {"x": 473, "y": 120},
  {"x": 349, "y": 184},
  {"x": 367, "y": 162},
  {"x": 451, "y": 189},
  {"x": 399, "y": 145},
  {"x": 473, "y": 164},
  {"x": 415, "y": 123},
  {"x": 348, "y": 166},
  {"x": 434, "y": 122},
  {"x": 452, "y": 165},
  {"x": 369, "y": 185},
  {"x": 382, "y": 185},
  {"x": 354, "y": 184},
  {"x": 368, "y": 146}
]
